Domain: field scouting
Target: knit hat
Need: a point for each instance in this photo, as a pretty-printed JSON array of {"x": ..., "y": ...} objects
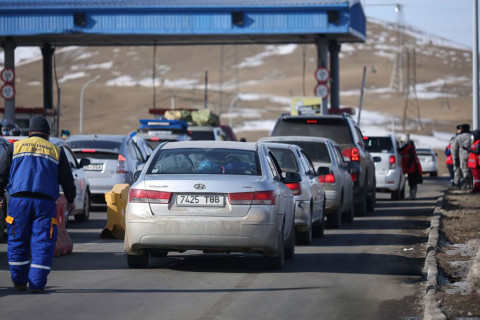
[{"x": 39, "y": 124}]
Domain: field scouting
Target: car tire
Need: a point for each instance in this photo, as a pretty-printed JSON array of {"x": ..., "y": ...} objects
[
  {"x": 159, "y": 254},
  {"x": 318, "y": 229},
  {"x": 372, "y": 200},
  {"x": 138, "y": 261},
  {"x": 305, "y": 237},
  {"x": 361, "y": 207},
  {"x": 277, "y": 260},
  {"x": 290, "y": 244},
  {"x": 85, "y": 214},
  {"x": 433, "y": 174},
  {"x": 3, "y": 215},
  {"x": 348, "y": 216},
  {"x": 396, "y": 194}
]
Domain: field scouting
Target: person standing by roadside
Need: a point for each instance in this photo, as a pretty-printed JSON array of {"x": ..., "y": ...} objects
[
  {"x": 411, "y": 165},
  {"x": 474, "y": 160},
  {"x": 449, "y": 161},
  {"x": 460, "y": 151},
  {"x": 31, "y": 170}
]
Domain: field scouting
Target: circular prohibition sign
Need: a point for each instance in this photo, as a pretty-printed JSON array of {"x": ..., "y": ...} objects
[
  {"x": 7, "y": 91},
  {"x": 7, "y": 75},
  {"x": 322, "y": 90},
  {"x": 322, "y": 75}
]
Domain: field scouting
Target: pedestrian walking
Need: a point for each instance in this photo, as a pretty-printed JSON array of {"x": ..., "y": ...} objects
[
  {"x": 474, "y": 160},
  {"x": 31, "y": 170},
  {"x": 449, "y": 160},
  {"x": 460, "y": 150},
  {"x": 411, "y": 165}
]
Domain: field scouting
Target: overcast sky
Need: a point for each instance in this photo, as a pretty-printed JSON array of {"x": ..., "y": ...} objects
[{"x": 451, "y": 19}]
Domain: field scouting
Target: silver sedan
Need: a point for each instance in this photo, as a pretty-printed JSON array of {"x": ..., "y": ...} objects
[{"x": 217, "y": 196}]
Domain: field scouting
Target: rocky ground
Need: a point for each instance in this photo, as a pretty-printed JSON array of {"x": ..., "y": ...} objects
[{"x": 458, "y": 256}]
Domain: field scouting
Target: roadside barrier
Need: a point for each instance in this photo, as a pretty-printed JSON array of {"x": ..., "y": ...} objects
[
  {"x": 116, "y": 204},
  {"x": 64, "y": 244}
]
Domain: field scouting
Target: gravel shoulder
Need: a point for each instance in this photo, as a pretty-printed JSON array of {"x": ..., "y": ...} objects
[{"x": 458, "y": 257}]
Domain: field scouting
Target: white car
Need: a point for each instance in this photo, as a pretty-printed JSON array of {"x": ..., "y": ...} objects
[
  {"x": 428, "y": 161},
  {"x": 309, "y": 193},
  {"x": 215, "y": 196},
  {"x": 332, "y": 171},
  {"x": 388, "y": 164}
]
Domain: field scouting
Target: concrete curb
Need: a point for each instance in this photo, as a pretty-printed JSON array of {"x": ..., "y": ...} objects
[{"x": 432, "y": 310}]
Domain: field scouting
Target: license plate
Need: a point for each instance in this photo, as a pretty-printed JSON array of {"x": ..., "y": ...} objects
[
  {"x": 94, "y": 167},
  {"x": 206, "y": 200}
]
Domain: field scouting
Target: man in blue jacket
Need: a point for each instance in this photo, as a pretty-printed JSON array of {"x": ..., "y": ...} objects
[{"x": 31, "y": 170}]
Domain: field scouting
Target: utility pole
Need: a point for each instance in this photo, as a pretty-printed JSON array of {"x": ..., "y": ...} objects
[
  {"x": 411, "y": 101},
  {"x": 475, "y": 67}
]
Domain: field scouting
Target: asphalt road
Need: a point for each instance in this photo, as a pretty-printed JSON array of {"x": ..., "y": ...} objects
[{"x": 368, "y": 269}]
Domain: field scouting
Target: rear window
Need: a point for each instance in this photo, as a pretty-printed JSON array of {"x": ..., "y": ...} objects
[
  {"x": 378, "y": 144},
  {"x": 316, "y": 151},
  {"x": 92, "y": 154},
  {"x": 95, "y": 144},
  {"x": 205, "y": 161},
  {"x": 286, "y": 159},
  {"x": 335, "y": 129},
  {"x": 202, "y": 135}
]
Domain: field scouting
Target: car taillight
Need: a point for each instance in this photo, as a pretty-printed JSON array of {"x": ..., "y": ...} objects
[
  {"x": 122, "y": 164},
  {"x": 393, "y": 162},
  {"x": 352, "y": 153},
  {"x": 247, "y": 198},
  {"x": 149, "y": 196},
  {"x": 328, "y": 178},
  {"x": 88, "y": 150},
  {"x": 295, "y": 187}
]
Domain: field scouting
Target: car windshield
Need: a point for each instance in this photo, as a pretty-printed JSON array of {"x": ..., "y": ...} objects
[
  {"x": 378, "y": 144},
  {"x": 335, "y": 129},
  {"x": 205, "y": 161}
]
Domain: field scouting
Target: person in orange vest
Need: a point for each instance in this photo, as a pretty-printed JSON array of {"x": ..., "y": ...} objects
[
  {"x": 474, "y": 160},
  {"x": 449, "y": 161},
  {"x": 411, "y": 165}
]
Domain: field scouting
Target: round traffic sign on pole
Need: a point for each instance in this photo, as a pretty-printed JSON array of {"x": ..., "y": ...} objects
[
  {"x": 322, "y": 74},
  {"x": 321, "y": 90},
  {"x": 7, "y": 75},
  {"x": 7, "y": 91}
]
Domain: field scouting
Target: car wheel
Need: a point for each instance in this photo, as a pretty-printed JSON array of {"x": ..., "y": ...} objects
[
  {"x": 85, "y": 215},
  {"x": 433, "y": 174},
  {"x": 278, "y": 259},
  {"x": 290, "y": 245},
  {"x": 334, "y": 219},
  {"x": 159, "y": 254},
  {"x": 305, "y": 237},
  {"x": 348, "y": 215},
  {"x": 138, "y": 261},
  {"x": 361, "y": 207},
  {"x": 396, "y": 194},
  {"x": 371, "y": 201},
  {"x": 318, "y": 229},
  {"x": 3, "y": 215}
]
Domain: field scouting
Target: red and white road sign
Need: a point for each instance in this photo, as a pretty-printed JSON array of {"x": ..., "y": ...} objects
[
  {"x": 322, "y": 90},
  {"x": 7, "y": 91},
  {"x": 7, "y": 75},
  {"x": 322, "y": 75}
]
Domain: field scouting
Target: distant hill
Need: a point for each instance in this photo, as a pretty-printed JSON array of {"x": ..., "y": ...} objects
[{"x": 250, "y": 86}]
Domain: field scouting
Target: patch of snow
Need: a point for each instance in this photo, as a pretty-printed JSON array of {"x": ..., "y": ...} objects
[
  {"x": 122, "y": 81},
  {"x": 103, "y": 66},
  {"x": 72, "y": 76},
  {"x": 271, "y": 50}
]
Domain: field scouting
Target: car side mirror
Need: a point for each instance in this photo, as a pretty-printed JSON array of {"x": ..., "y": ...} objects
[
  {"x": 377, "y": 159},
  {"x": 84, "y": 162},
  {"x": 136, "y": 175},
  {"x": 292, "y": 177},
  {"x": 323, "y": 171}
]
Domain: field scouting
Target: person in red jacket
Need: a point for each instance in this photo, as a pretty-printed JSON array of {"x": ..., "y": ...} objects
[
  {"x": 411, "y": 166},
  {"x": 474, "y": 160},
  {"x": 449, "y": 161}
]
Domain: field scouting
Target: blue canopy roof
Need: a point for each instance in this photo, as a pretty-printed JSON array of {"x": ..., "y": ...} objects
[{"x": 143, "y": 22}]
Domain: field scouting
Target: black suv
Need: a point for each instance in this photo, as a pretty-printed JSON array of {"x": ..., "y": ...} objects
[{"x": 343, "y": 130}]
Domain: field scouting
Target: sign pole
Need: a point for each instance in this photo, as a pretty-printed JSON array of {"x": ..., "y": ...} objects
[{"x": 360, "y": 104}]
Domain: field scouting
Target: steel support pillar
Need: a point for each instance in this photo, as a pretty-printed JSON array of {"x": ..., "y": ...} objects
[
  {"x": 47, "y": 52},
  {"x": 9, "y": 53},
  {"x": 322, "y": 61},
  {"x": 334, "y": 49}
]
